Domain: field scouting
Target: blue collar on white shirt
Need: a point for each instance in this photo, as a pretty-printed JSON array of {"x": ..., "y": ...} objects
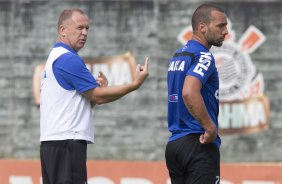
[{"x": 61, "y": 44}]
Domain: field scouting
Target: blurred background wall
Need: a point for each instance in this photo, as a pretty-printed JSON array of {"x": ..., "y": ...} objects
[{"x": 135, "y": 127}]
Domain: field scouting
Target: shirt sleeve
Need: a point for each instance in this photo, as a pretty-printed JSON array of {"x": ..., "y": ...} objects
[
  {"x": 72, "y": 74},
  {"x": 202, "y": 66}
]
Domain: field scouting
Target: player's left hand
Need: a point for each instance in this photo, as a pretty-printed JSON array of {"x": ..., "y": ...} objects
[{"x": 209, "y": 136}]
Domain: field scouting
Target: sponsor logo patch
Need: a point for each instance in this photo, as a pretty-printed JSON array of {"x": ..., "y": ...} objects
[{"x": 173, "y": 98}]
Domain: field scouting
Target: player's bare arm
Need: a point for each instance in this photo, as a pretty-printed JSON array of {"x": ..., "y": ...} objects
[
  {"x": 193, "y": 100},
  {"x": 108, "y": 94}
]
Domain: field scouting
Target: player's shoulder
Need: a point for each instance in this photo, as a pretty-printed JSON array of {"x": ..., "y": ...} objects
[
  {"x": 192, "y": 48},
  {"x": 183, "y": 52},
  {"x": 200, "y": 52}
]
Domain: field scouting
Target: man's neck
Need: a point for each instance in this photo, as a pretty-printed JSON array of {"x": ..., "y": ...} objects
[{"x": 201, "y": 40}]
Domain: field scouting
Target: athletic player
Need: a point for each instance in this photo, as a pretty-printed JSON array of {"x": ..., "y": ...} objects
[
  {"x": 67, "y": 91},
  {"x": 192, "y": 152}
]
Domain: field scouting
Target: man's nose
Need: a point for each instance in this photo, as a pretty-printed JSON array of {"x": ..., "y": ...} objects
[
  {"x": 84, "y": 31},
  {"x": 225, "y": 31}
]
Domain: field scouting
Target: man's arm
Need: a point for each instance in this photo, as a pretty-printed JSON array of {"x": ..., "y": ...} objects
[
  {"x": 194, "y": 102},
  {"x": 100, "y": 95}
]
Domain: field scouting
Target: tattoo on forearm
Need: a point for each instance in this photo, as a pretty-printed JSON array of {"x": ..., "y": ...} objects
[{"x": 190, "y": 108}]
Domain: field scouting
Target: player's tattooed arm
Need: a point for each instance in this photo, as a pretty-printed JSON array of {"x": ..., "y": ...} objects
[{"x": 194, "y": 102}]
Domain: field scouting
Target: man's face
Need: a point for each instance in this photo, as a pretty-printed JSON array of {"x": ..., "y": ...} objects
[
  {"x": 217, "y": 29},
  {"x": 76, "y": 30}
]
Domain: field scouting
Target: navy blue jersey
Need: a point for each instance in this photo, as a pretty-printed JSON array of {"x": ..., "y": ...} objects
[{"x": 195, "y": 60}]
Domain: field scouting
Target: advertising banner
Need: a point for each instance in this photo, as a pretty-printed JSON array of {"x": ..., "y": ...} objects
[{"x": 137, "y": 172}]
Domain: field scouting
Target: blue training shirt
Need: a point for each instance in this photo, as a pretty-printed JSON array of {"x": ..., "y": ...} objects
[
  {"x": 193, "y": 59},
  {"x": 71, "y": 73}
]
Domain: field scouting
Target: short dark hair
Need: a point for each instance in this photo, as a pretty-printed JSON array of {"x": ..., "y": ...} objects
[
  {"x": 66, "y": 14},
  {"x": 203, "y": 14}
]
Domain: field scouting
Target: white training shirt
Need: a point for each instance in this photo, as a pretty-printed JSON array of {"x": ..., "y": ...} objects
[{"x": 64, "y": 113}]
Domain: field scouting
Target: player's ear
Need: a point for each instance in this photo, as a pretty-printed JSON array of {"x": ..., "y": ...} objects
[{"x": 203, "y": 28}]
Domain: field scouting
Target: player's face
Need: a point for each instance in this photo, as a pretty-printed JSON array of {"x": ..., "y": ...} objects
[
  {"x": 76, "y": 30},
  {"x": 216, "y": 29}
]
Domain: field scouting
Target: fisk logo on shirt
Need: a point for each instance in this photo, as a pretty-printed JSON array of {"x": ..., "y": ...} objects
[{"x": 204, "y": 63}]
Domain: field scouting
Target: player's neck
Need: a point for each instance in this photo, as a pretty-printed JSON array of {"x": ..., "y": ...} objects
[{"x": 201, "y": 40}]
